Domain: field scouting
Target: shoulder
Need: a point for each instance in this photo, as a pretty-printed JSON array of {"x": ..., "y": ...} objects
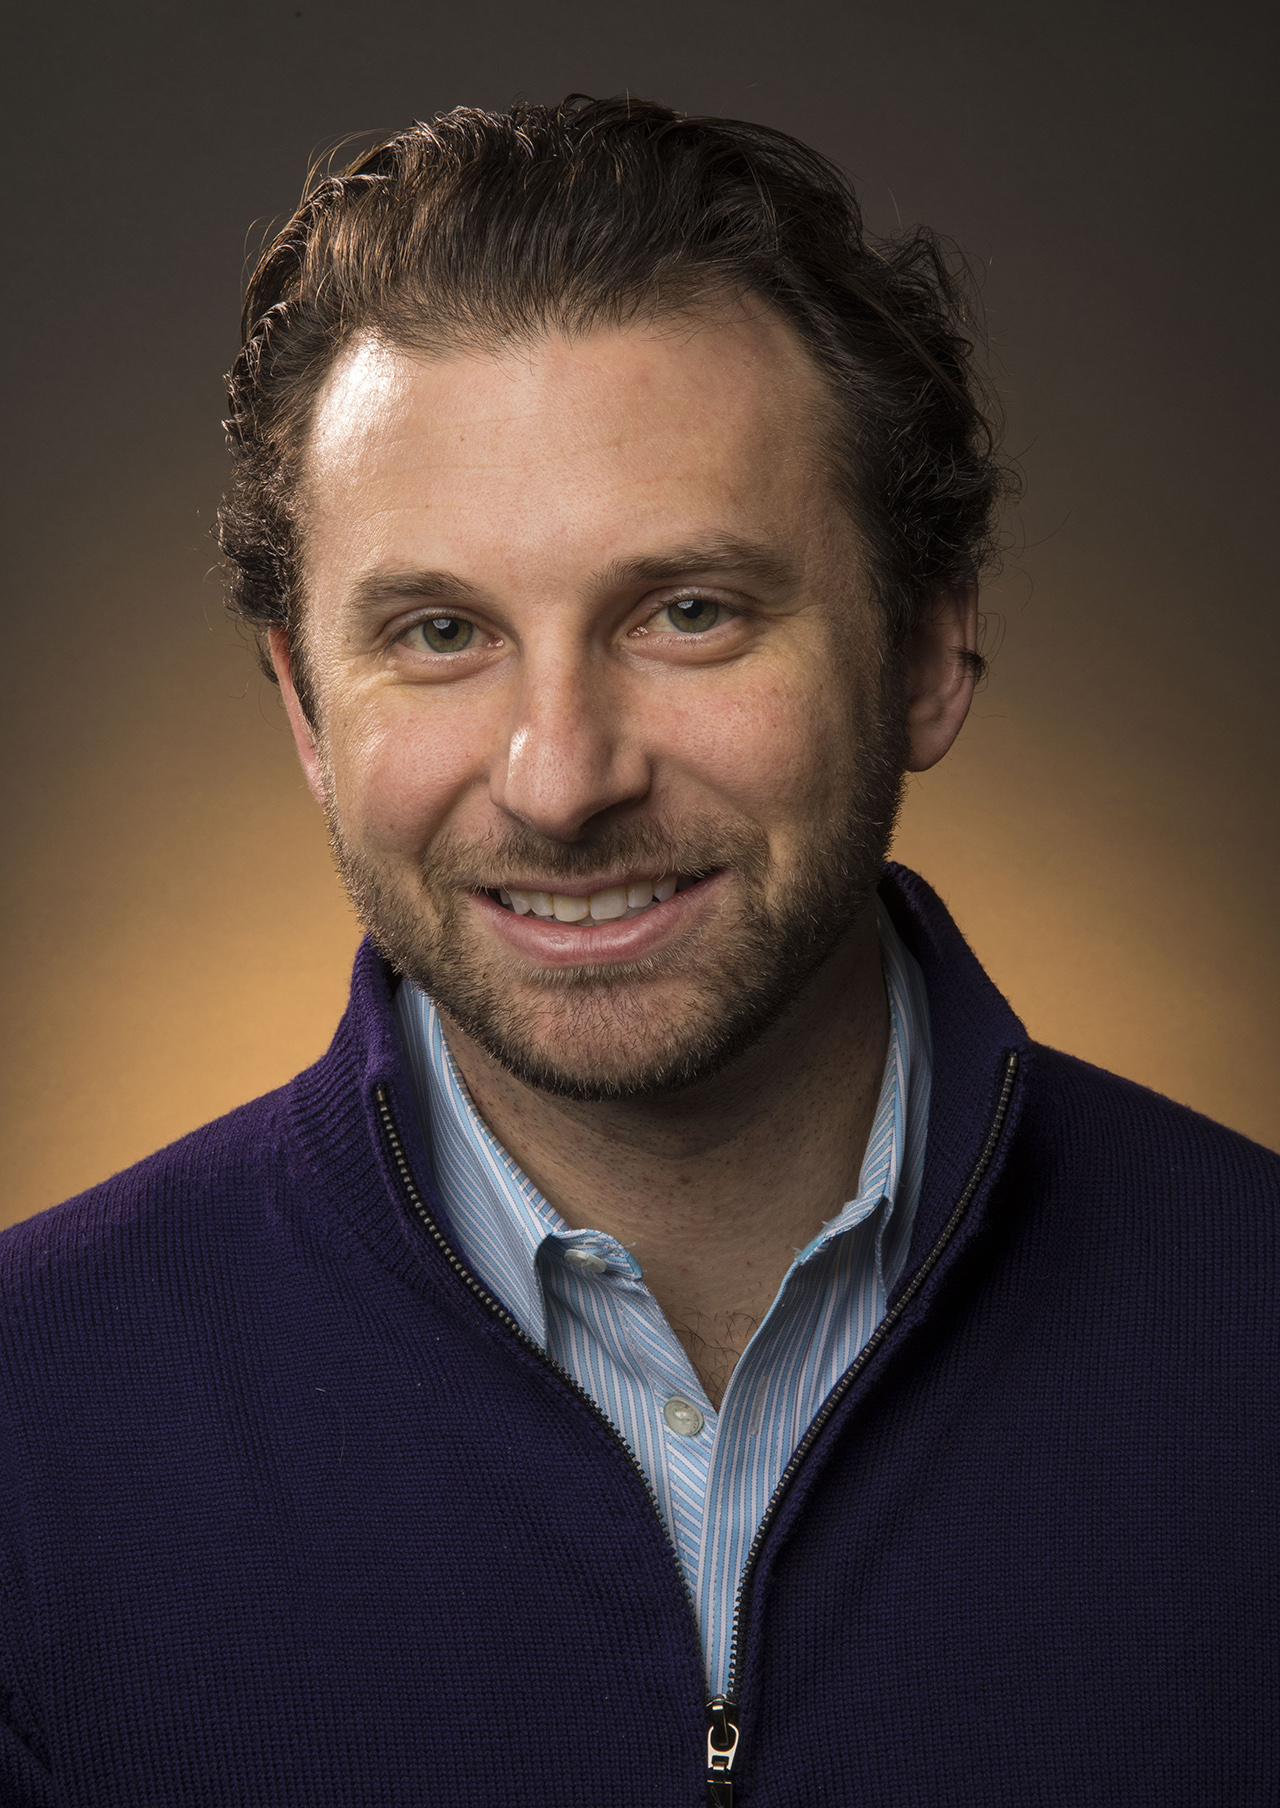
[
  {"x": 1114, "y": 1131},
  {"x": 183, "y": 1194}
]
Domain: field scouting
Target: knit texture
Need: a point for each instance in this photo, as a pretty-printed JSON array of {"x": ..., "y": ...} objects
[{"x": 288, "y": 1517}]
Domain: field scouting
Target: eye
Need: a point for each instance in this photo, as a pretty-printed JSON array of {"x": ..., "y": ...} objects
[
  {"x": 694, "y": 616},
  {"x": 444, "y": 633}
]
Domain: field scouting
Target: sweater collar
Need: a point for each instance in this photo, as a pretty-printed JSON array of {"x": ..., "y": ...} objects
[{"x": 974, "y": 1033}]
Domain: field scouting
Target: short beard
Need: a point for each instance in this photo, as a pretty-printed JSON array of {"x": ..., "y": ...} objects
[{"x": 771, "y": 951}]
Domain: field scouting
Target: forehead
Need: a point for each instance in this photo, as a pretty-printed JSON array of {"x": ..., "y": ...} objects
[{"x": 534, "y": 456}]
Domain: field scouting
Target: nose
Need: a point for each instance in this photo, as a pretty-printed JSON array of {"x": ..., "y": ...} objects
[{"x": 572, "y": 748}]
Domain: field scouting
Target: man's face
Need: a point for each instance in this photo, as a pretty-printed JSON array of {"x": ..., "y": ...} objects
[{"x": 605, "y": 727}]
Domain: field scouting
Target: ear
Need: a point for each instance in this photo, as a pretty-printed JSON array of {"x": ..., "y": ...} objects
[
  {"x": 304, "y": 736},
  {"x": 940, "y": 673}
]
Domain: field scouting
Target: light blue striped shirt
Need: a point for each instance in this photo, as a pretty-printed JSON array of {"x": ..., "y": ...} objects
[{"x": 582, "y": 1297}]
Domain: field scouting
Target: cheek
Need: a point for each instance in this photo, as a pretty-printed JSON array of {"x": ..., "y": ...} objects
[
  {"x": 399, "y": 779},
  {"x": 772, "y": 746}
]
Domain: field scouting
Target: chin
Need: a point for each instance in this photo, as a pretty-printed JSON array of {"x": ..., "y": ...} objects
[
  {"x": 597, "y": 1047},
  {"x": 594, "y": 1082}
]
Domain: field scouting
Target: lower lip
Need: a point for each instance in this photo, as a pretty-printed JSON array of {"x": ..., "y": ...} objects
[{"x": 552, "y": 944}]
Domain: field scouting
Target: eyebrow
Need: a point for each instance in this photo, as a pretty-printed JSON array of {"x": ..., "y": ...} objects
[
  {"x": 378, "y": 588},
  {"x": 719, "y": 555}
]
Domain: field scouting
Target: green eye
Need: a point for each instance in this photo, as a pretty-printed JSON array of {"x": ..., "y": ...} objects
[
  {"x": 694, "y": 616},
  {"x": 446, "y": 633}
]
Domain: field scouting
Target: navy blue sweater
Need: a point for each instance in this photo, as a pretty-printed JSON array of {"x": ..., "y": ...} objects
[{"x": 292, "y": 1515}]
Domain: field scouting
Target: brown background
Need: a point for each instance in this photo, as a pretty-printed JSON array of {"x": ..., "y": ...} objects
[{"x": 1106, "y": 832}]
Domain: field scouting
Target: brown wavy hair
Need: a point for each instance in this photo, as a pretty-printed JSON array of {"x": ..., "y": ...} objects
[{"x": 482, "y": 228}]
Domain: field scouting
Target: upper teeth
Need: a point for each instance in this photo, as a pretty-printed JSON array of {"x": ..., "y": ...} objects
[{"x": 602, "y": 906}]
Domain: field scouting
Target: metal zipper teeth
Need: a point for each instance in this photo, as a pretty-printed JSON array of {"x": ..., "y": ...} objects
[
  {"x": 860, "y": 1362},
  {"x": 498, "y": 1310}
]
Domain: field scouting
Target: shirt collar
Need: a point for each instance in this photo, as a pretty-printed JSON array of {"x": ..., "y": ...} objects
[{"x": 497, "y": 1214}]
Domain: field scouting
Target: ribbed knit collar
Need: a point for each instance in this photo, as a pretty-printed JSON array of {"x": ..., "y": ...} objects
[{"x": 974, "y": 1033}]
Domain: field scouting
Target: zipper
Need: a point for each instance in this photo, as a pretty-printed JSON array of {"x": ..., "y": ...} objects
[
  {"x": 722, "y": 1710},
  {"x": 722, "y": 1748},
  {"x": 722, "y": 1736}
]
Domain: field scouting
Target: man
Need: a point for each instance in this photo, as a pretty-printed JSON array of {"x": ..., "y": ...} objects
[{"x": 682, "y": 1280}]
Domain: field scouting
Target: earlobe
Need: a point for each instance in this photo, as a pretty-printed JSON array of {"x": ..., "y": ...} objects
[
  {"x": 304, "y": 735},
  {"x": 940, "y": 669}
]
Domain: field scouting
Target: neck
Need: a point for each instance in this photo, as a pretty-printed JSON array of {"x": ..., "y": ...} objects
[{"x": 715, "y": 1188}]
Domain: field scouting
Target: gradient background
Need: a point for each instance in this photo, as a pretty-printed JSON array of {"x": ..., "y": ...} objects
[{"x": 1106, "y": 831}]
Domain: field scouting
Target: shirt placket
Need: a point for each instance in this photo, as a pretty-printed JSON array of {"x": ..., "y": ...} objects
[{"x": 651, "y": 1390}]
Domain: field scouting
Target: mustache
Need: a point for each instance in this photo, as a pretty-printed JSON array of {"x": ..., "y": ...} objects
[{"x": 497, "y": 859}]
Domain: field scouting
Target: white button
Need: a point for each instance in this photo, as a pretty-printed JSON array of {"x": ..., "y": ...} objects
[
  {"x": 683, "y": 1416},
  {"x": 584, "y": 1258}
]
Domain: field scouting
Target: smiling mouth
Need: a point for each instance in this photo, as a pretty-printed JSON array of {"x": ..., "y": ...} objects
[{"x": 612, "y": 904}]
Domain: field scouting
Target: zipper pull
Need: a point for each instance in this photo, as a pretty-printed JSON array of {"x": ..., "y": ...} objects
[{"x": 722, "y": 1744}]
